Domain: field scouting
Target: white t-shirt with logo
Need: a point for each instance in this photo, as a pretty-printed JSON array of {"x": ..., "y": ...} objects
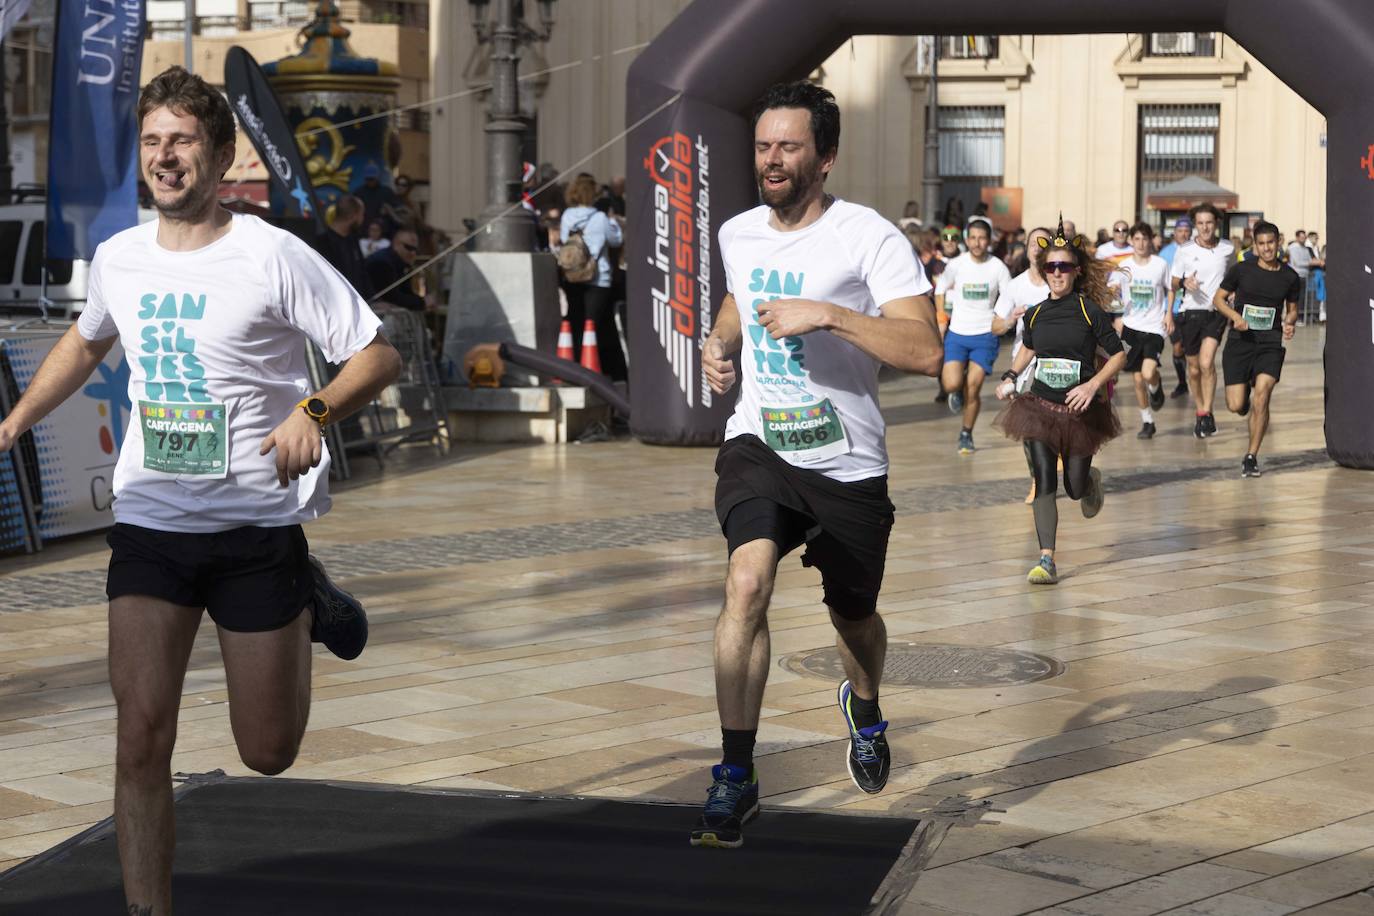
[
  {"x": 1210, "y": 266},
  {"x": 215, "y": 342},
  {"x": 1023, "y": 293},
  {"x": 813, "y": 398},
  {"x": 971, "y": 290},
  {"x": 1111, "y": 251},
  {"x": 1144, "y": 294}
]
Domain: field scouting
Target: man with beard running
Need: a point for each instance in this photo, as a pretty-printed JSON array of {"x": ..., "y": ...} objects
[
  {"x": 805, "y": 462},
  {"x": 1250, "y": 296},
  {"x": 1197, "y": 269},
  {"x": 224, "y": 461}
]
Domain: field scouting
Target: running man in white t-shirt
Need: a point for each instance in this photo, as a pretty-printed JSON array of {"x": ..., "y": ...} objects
[
  {"x": 1118, "y": 248},
  {"x": 223, "y": 461},
  {"x": 821, "y": 293},
  {"x": 1146, "y": 322},
  {"x": 968, "y": 289},
  {"x": 1198, "y": 269}
]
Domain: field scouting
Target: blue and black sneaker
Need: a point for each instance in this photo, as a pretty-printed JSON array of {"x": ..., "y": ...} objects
[
  {"x": 868, "y": 758},
  {"x": 339, "y": 620},
  {"x": 731, "y": 802}
]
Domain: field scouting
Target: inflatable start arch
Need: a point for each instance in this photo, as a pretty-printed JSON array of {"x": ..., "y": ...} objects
[{"x": 690, "y": 167}]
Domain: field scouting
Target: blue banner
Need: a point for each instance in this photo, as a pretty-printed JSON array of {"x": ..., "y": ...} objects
[{"x": 93, "y": 138}]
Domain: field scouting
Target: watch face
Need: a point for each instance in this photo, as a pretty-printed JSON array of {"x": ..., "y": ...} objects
[{"x": 316, "y": 408}]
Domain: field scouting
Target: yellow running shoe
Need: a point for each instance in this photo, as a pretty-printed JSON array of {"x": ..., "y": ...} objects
[{"x": 1043, "y": 573}]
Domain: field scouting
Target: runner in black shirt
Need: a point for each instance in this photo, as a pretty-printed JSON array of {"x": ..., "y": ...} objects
[
  {"x": 1251, "y": 296},
  {"x": 1062, "y": 416}
]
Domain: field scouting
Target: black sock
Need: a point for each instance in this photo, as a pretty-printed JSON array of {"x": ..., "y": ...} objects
[
  {"x": 865, "y": 712},
  {"x": 738, "y": 745},
  {"x": 967, "y": 429},
  {"x": 1181, "y": 368}
]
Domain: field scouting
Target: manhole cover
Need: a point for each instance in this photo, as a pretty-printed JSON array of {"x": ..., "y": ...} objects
[{"x": 912, "y": 665}]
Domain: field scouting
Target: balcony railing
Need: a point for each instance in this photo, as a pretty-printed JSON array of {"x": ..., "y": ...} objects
[
  {"x": 968, "y": 47},
  {"x": 1181, "y": 44}
]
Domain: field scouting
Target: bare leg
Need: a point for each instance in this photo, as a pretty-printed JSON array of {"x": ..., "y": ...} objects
[
  {"x": 150, "y": 645},
  {"x": 973, "y": 394},
  {"x": 1195, "y": 380},
  {"x": 863, "y": 650},
  {"x": 742, "y": 651},
  {"x": 1235, "y": 397},
  {"x": 1259, "y": 410},
  {"x": 952, "y": 378},
  {"x": 1207, "y": 361},
  {"x": 268, "y": 676}
]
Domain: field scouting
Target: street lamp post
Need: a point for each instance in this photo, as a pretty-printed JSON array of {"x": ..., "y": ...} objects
[
  {"x": 930, "y": 183},
  {"x": 504, "y": 228}
]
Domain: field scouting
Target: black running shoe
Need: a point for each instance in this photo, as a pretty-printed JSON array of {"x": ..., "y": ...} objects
[
  {"x": 1157, "y": 398},
  {"x": 1209, "y": 425},
  {"x": 1179, "y": 392},
  {"x": 1147, "y": 431},
  {"x": 1249, "y": 467},
  {"x": 1198, "y": 429},
  {"x": 731, "y": 802},
  {"x": 339, "y": 619},
  {"x": 942, "y": 397},
  {"x": 868, "y": 758},
  {"x": 1245, "y": 408}
]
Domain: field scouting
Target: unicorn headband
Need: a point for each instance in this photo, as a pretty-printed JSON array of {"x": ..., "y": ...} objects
[{"x": 1059, "y": 241}]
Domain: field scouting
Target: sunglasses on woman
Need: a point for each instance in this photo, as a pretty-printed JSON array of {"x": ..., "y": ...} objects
[
  {"x": 949, "y": 237},
  {"x": 1060, "y": 267}
]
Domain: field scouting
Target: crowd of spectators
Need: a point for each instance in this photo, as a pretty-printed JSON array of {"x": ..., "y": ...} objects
[{"x": 374, "y": 237}]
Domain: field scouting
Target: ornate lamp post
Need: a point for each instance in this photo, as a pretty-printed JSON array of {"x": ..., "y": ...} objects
[{"x": 513, "y": 231}]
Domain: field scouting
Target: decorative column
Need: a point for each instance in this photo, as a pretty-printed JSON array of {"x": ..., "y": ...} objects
[{"x": 324, "y": 88}]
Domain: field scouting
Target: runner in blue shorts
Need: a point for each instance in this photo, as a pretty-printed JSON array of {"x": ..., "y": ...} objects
[{"x": 968, "y": 289}]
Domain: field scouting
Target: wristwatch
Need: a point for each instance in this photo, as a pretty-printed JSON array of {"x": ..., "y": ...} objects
[
  {"x": 316, "y": 410},
  {"x": 1010, "y": 375}
]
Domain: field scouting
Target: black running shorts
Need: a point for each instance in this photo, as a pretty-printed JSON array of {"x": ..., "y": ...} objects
[
  {"x": 1140, "y": 346},
  {"x": 250, "y": 579},
  {"x": 1195, "y": 325},
  {"x": 845, "y": 526},
  {"x": 1243, "y": 361}
]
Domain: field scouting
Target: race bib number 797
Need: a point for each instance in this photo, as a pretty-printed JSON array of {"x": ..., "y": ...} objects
[{"x": 185, "y": 439}]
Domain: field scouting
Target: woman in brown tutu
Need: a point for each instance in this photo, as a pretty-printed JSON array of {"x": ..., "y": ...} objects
[{"x": 1065, "y": 414}]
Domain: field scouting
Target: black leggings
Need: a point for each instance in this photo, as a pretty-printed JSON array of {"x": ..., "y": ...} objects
[{"x": 1044, "y": 461}]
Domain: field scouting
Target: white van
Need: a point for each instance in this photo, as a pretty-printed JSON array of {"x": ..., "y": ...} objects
[{"x": 21, "y": 265}]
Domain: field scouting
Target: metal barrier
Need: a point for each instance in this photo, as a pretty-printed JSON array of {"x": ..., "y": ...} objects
[{"x": 410, "y": 409}]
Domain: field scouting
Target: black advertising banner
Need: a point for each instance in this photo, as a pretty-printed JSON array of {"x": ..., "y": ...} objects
[
  {"x": 690, "y": 168},
  {"x": 678, "y": 281},
  {"x": 252, "y": 98}
]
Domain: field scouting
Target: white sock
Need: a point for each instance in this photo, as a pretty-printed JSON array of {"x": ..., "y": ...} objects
[
  {"x": 1154, "y": 388},
  {"x": 1147, "y": 416}
]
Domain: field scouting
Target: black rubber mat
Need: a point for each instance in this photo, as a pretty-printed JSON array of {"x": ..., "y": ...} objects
[{"x": 299, "y": 847}]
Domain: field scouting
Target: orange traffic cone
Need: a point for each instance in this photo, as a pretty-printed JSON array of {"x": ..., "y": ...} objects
[
  {"x": 591, "y": 358},
  {"x": 565, "y": 347}
]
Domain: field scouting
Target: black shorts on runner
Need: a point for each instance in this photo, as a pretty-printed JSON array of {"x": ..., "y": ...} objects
[
  {"x": 845, "y": 526},
  {"x": 1243, "y": 361},
  {"x": 249, "y": 579},
  {"x": 1195, "y": 325},
  {"x": 1140, "y": 346}
]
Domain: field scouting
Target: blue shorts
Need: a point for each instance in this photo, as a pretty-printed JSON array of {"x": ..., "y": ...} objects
[{"x": 971, "y": 348}]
